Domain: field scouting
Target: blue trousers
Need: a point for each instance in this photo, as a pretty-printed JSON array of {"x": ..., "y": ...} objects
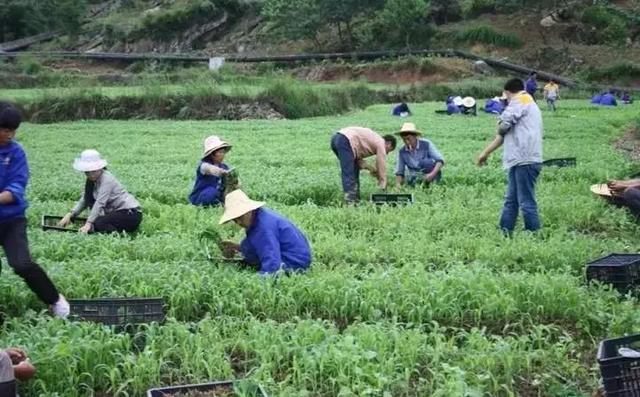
[
  {"x": 415, "y": 176},
  {"x": 207, "y": 196},
  {"x": 349, "y": 168},
  {"x": 521, "y": 195}
]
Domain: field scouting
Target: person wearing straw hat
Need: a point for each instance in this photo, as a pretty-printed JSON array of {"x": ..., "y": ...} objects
[
  {"x": 468, "y": 106},
  {"x": 272, "y": 242},
  {"x": 208, "y": 189},
  {"x": 419, "y": 156},
  {"x": 626, "y": 193},
  {"x": 112, "y": 208},
  {"x": 520, "y": 130},
  {"x": 14, "y": 176},
  {"x": 352, "y": 145}
]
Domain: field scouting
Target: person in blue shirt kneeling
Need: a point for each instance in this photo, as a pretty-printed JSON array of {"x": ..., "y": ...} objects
[
  {"x": 208, "y": 190},
  {"x": 272, "y": 242},
  {"x": 419, "y": 156}
]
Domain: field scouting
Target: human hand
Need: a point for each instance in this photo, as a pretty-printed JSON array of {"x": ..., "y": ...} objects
[
  {"x": 86, "y": 228},
  {"x": 16, "y": 355},
  {"x": 65, "y": 221},
  {"x": 482, "y": 160},
  {"x": 24, "y": 371},
  {"x": 229, "y": 249},
  {"x": 430, "y": 176}
]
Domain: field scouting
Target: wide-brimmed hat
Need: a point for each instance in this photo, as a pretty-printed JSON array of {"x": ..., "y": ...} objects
[
  {"x": 601, "y": 189},
  {"x": 89, "y": 160},
  {"x": 213, "y": 143},
  {"x": 468, "y": 102},
  {"x": 408, "y": 128},
  {"x": 457, "y": 101},
  {"x": 236, "y": 204}
]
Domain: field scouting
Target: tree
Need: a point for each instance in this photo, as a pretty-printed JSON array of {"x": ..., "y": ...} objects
[
  {"x": 19, "y": 18},
  {"x": 401, "y": 23}
]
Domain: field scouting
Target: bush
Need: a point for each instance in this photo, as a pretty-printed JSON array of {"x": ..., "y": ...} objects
[
  {"x": 28, "y": 64},
  {"x": 609, "y": 28},
  {"x": 488, "y": 35},
  {"x": 621, "y": 72}
]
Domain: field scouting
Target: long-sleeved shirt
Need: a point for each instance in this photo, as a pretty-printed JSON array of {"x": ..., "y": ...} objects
[
  {"x": 608, "y": 100},
  {"x": 209, "y": 176},
  {"x": 521, "y": 127},
  {"x": 551, "y": 91},
  {"x": 412, "y": 158},
  {"x": 275, "y": 243},
  {"x": 110, "y": 196},
  {"x": 531, "y": 86},
  {"x": 365, "y": 143},
  {"x": 14, "y": 175}
]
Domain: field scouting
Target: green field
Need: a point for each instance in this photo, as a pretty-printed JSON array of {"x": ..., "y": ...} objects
[{"x": 427, "y": 300}]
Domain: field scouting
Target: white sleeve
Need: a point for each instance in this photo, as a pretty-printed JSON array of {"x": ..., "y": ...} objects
[{"x": 210, "y": 169}]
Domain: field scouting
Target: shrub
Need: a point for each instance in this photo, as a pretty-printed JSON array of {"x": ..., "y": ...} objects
[
  {"x": 28, "y": 64},
  {"x": 609, "y": 28},
  {"x": 488, "y": 35}
]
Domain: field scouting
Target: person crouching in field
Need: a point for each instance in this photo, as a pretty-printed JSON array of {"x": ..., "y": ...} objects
[
  {"x": 272, "y": 242},
  {"x": 419, "y": 156},
  {"x": 112, "y": 208},
  {"x": 520, "y": 129},
  {"x": 14, "y": 364},
  {"x": 627, "y": 193},
  {"x": 352, "y": 145},
  {"x": 208, "y": 189},
  {"x": 14, "y": 175}
]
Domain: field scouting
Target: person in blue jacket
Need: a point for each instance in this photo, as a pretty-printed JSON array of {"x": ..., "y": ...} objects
[
  {"x": 596, "y": 99},
  {"x": 626, "y": 98},
  {"x": 14, "y": 175},
  {"x": 494, "y": 106},
  {"x": 531, "y": 86},
  {"x": 608, "y": 99},
  {"x": 272, "y": 242},
  {"x": 208, "y": 189},
  {"x": 454, "y": 105},
  {"x": 401, "y": 110}
]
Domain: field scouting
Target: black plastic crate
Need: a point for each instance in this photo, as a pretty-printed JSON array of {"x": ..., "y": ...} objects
[
  {"x": 561, "y": 162},
  {"x": 391, "y": 198},
  {"x": 246, "y": 388},
  {"x": 119, "y": 311},
  {"x": 50, "y": 222},
  {"x": 620, "y": 375},
  {"x": 620, "y": 270},
  {"x": 8, "y": 389}
]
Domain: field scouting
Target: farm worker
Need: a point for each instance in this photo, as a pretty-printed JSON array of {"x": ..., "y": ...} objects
[
  {"x": 209, "y": 186},
  {"x": 520, "y": 130},
  {"x": 419, "y": 156},
  {"x": 112, "y": 208},
  {"x": 469, "y": 106},
  {"x": 352, "y": 145},
  {"x": 494, "y": 106},
  {"x": 532, "y": 85},
  {"x": 627, "y": 193},
  {"x": 608, "y": 99},
  {"x": 453, "y": 105},
  {"x": 551, "y": 94},
  {"x": 596, "y": 99},
  {"x": 272, "y": 242},
  {"x": 14, "y": 364},
  {"x": 401, "y": 110},
  {"x": 626, "y": 98},
  {"x": 14, "y": 175}
]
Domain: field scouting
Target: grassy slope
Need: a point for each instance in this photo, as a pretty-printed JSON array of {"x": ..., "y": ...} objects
[{"x": 423, "y": 300}]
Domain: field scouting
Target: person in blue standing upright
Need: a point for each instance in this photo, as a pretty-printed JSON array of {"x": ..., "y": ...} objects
[
  {"x": 608, "y": 99},
  {"x": 273, "y": 243},
  {"x": 520, "y": 130},
  {"x": 532, "y": 85},
  {"x": 418, "y": 160},
  {"x": 14, "y": 175},
  {"x": 208, "y": 189}
]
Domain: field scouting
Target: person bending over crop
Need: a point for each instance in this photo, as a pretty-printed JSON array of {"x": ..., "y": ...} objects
[
  {"x": 520, "y": 129},
  {"x": 272, "y": 242},
  {"x": 14, "y": 175},
  {"x": 112, "y": 208},
  {"x": 14, "y": 364},
  {"x": 419, "y": 156},
  {"x": 209, "y": 188},
  {"x": 627, "y": 193},
  {"x": 352, "y": 145}
]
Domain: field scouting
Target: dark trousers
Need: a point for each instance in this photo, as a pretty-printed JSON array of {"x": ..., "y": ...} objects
[
  {"x": 348, "y": 166},
  {"x": 521, "y": 194},
  {"x": 13, "y": 237},
  {"x": 631, "y": 199},
  {"x": 118, "y": 221}
]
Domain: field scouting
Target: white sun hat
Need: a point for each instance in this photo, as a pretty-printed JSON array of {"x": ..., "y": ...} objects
[
  {"x": 89, "y": 160},
  {"x": 408, "y": 128},
  {"x": 236, "y": 204},
  {"x": 213, "y": 143},
  {"x": 469, "y": 102},
  {"x": 457, "y": 101},
  {"x": 601, "y": 189}
]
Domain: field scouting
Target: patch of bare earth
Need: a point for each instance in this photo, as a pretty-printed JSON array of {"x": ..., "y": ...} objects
[{"x": 630, "y": 143}]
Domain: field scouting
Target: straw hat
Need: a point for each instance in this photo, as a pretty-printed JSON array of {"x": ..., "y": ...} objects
[
  {"x": 237, "y": 204},
  {"x": 457, "y": 101},
  {"x": 408, "y": 128},
  {"x": 213, "y": 143},
  {"x": 468, "y": 102},
  {"x": 601, "y": 189},
  {"x": 89, "y": 160}
]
